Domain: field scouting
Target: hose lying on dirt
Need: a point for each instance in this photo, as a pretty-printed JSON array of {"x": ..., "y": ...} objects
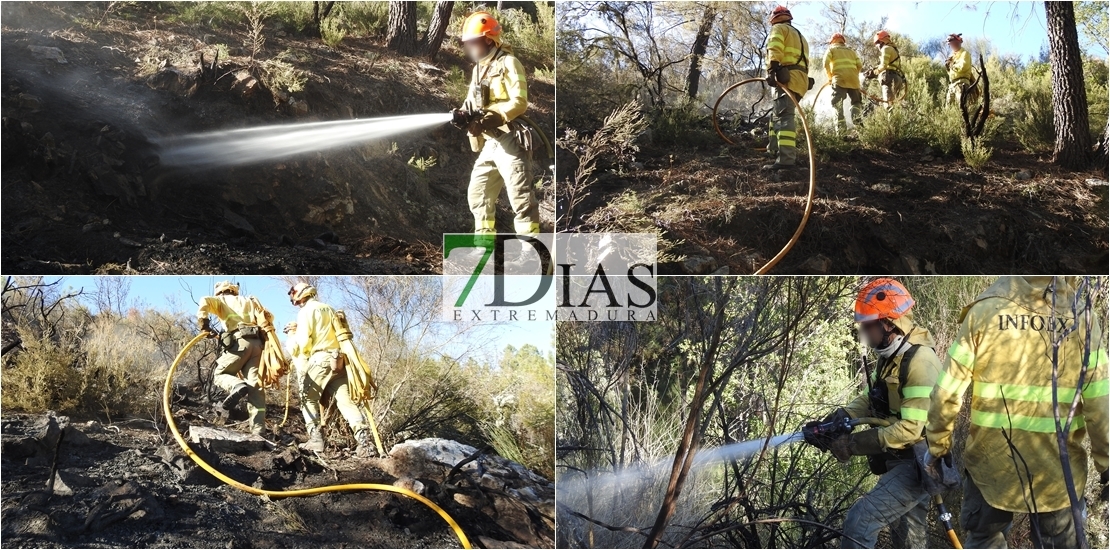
[
  {"x": 812, "y": 170},
  {"x": 168, "y": 393}
]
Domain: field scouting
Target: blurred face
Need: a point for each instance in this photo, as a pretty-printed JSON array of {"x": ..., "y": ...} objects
[
  {"x": 873, "y": 333},
  {"x": 954, "y": 46},
  {"x": 477, "y": 49}
]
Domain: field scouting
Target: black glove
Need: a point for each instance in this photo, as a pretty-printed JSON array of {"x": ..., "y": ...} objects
[
  {"x": 819, "y": 438},
  {"x": 206, "y": 327},
  {"x": 460, "y": 118},
  {"x": 772, "y": 74},
  {"x": 487, "y": 122},
  {"x": 1105, "y": 495}
]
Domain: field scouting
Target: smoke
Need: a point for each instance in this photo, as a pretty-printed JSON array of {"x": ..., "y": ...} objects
[{"x": 253, "y": 145}]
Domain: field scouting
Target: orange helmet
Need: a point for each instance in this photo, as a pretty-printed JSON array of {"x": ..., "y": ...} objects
[
  {"x": 780, "y": 14},
  {"x": 882, "y": 37},
  {"x": 956, "y": 38},
  {"x": 882, "y": 298},
  {"x": 481, "y": 24},
  {"x": 837, "y": 39}
]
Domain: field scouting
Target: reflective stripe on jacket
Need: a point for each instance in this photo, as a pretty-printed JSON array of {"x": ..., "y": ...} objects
[
  {"x": 911, "y": 405},
  {"x": 787, "y": 46},
  {"x": 889, "y": 59},
  {"x": 1003, "y": 352},
  {"x": 843, "y": 66}
]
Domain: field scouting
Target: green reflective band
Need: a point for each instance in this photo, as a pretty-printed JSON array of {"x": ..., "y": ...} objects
[
  {"x": 913, "y": 413},
  {"x": 787, "y": 143},
  {"x": 1096, "y": 389},
  {"x": 486, "y": 224},
  {"x": 951, "y": 384},
  {"x": 962, "y": 354},
  {"x": 788, "y": 133},
  {"x": 911, "y": 392},
  {"x": 1038, "y": 424},
  {"x": 1040, "y": 394},
  {"x": 1098, "y": 358}
]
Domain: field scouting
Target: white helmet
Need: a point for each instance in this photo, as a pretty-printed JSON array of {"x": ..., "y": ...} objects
[{"x": 301, "y": 292}]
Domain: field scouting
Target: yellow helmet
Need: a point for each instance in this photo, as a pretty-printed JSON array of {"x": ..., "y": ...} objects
[
  {"x": 479, "y": 24},
  {"x": 227, "y": 287},
  {"x": 301, "y": 292}
]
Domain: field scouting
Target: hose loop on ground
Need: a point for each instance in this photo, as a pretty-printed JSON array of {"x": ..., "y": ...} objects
[
  {"x": 812, "y": 170},
  {"x": 166, "y": 397}
]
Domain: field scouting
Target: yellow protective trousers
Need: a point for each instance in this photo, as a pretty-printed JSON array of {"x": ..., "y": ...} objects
[{"x": 503, "y": 163}]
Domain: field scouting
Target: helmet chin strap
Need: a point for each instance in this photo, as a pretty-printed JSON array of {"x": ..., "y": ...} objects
[{"x": 890, "y": 350}]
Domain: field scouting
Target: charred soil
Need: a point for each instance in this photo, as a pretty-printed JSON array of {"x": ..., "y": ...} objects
[{"x": 874, "y": 212}]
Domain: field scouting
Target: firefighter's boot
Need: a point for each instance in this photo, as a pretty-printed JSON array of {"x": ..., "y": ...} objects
[
  {"x": 365, "y": 447},
  {"x": 315, "y": 440}
]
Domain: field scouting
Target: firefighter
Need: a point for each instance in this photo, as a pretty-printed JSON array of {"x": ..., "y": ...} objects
[
  {"x": 842, "y": 66},
  {"x": 787, "y": 73},
  {"x": 1003, "y": 350},
  {"x": 498, "y": 94},
  {"x": 241, "y": 352},
  {"x": 320, "y": 366},
  {"x": 899, "y": 387},
  {"x": 889, "y": 70},
  {"x": 959, "y": 71}
]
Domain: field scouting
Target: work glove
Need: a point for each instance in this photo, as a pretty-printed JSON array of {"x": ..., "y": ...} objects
[
  {"x": 948, "y": 63},
  {"x": 487, "y": 122},
  {"x": 205, "y": 325},
  {"x": 856, "y": 444},
  {"x": 1105, "y": 495},
  {"x": 772, "y": 74},
  {"x": 819, "y": 440},
  {"x": 290, "y": 328}
]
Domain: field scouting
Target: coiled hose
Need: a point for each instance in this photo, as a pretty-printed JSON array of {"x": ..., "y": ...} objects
[
  {"x": 168, "y": 392},
  {"x": 812, "y": 171}
]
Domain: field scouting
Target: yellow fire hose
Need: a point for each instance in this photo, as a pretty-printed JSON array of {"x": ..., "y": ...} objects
[
  {"x": 812, "y": 171},
  {"x": 168, "y": 393}
]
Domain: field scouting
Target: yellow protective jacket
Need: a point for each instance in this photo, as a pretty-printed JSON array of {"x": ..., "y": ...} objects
[
  {"x": 959, "y": 65},
  {"x": 909, "y": 403},
  {"x": 1003, "y": 351},
  {"x": 889, "y": 60},
  {"x": 498, "y": 83},
  {"x": 787, "y": 46},
  {"x": 315, "y": 330},
  {"x": 843, "y": 66},
  {"x": 231, "y": 310}
]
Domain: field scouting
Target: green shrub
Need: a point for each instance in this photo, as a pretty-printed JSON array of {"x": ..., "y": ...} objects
[
  {"x": 42, "y": 377},
  {"x": 333, "y": 30},
  {"x": 683, "y": 122},
  {"x": 884, "y": 129},
  {"x": 976, "y": 154},
  {"x": 456, "y": 83},
  {"x": 367, "y": 19},
  {"x": 944, "y": 128},
  {"x": 281, "y": 76},
  {"x": 531, "y": 39}
]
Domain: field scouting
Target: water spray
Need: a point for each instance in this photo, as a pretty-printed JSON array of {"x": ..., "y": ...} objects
[{"x": 253, "y": 145}]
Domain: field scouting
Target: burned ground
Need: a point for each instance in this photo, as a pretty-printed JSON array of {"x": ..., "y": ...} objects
[
  {"x": 910, "y": 212},
  {"x": 85, "y": 192},
  {"x": 128, "y": 484}
]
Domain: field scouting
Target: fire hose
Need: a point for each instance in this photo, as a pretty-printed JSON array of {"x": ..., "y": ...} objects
[
  {"x": 946, "y": 476},
  {"x": 168, "y": 393},
  {"x": 812, "y": 170}
]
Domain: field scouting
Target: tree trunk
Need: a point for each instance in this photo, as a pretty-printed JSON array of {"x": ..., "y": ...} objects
[
  {"x": 320, "y": 12},
  {"x": 701, "y": 43},
  {"x": 437, "y": 29},
  {"x": 402, "y": 27},
  {"x": 1069, "y": 96}
]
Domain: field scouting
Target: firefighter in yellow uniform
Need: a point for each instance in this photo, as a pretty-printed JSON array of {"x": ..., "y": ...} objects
[
  {"x": 241, "y": 352},
  {"x": 787, "y": 73},
  {"x": 898, "y": 391},
  {"x": 889, "y": 70},
  {"x": 498, "y": 94},
  {"x": 842, "y": 67},
  {"x": 1003, "y": 351},
  {"x": 959, "y": 71},
  {"x": 321, "y": 367}
]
